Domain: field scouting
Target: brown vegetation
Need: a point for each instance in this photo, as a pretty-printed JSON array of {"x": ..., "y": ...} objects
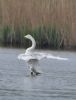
[{"x": 58, "y": 13}]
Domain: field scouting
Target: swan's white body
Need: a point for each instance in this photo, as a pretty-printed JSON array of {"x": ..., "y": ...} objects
[{"x": 31, "y": 56}]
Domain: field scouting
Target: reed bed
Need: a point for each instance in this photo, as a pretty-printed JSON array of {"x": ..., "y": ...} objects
[
  {"x": 45, "y": 36},
  {"x": 51, "y": 22}
]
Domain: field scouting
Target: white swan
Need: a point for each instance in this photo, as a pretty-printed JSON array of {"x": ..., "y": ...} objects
[{"x": 32, "y": 57}]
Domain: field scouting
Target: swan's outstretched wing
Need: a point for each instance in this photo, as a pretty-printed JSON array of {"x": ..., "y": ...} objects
[
  {"x": 39, "y": 56},
  {"x": 56, "y": 57},
  {"x": 50, "y": 56},
  {"x": 24, "y": 57},
  {"x": 28, "y": 57}
]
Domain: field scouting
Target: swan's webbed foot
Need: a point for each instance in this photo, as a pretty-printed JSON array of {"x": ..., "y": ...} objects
[
  {"x": 32, "y": 73},
  {"x": 35, "y": 73}
]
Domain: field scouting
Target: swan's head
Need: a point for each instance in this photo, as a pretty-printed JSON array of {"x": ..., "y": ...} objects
[
  {"x": 33, "y": 42},
  {"x": 28, "y": 36}
]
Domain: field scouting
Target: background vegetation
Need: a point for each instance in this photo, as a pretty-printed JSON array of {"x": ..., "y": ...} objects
[{"x": 51, "y": 22}]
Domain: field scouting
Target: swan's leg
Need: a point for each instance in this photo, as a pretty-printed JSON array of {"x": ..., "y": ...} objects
[
  {"x": 35, "y": 71},
  {"x": 32, "y": 66},
  {"x": 32, "y": 70}
]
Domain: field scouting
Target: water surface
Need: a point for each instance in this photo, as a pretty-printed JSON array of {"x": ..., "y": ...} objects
[{"x": 57, "y": 82}]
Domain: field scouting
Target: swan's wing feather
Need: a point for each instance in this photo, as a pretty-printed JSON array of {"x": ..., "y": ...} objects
[
  {"x": 24, "y": 57},
  {"x": 27, "y": 57},
  {"x": 50, "y": 56},
  {"x": 56, "y": 57},
  {"x": 39, "y": 56}
]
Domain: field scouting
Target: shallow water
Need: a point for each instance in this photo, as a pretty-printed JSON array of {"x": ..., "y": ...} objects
[{"x": 57, "y": 82}]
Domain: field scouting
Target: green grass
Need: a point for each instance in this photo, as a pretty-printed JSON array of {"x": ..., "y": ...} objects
[{"x": 45, "y": 36}]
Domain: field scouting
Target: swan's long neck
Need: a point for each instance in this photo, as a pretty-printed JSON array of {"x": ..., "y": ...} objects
[{"x": 33, "y": 45}]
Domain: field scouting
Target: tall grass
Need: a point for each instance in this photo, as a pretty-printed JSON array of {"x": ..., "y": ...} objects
[
  {"x": 51, "y": 22},
  {"x": 45, "y": 36}
]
